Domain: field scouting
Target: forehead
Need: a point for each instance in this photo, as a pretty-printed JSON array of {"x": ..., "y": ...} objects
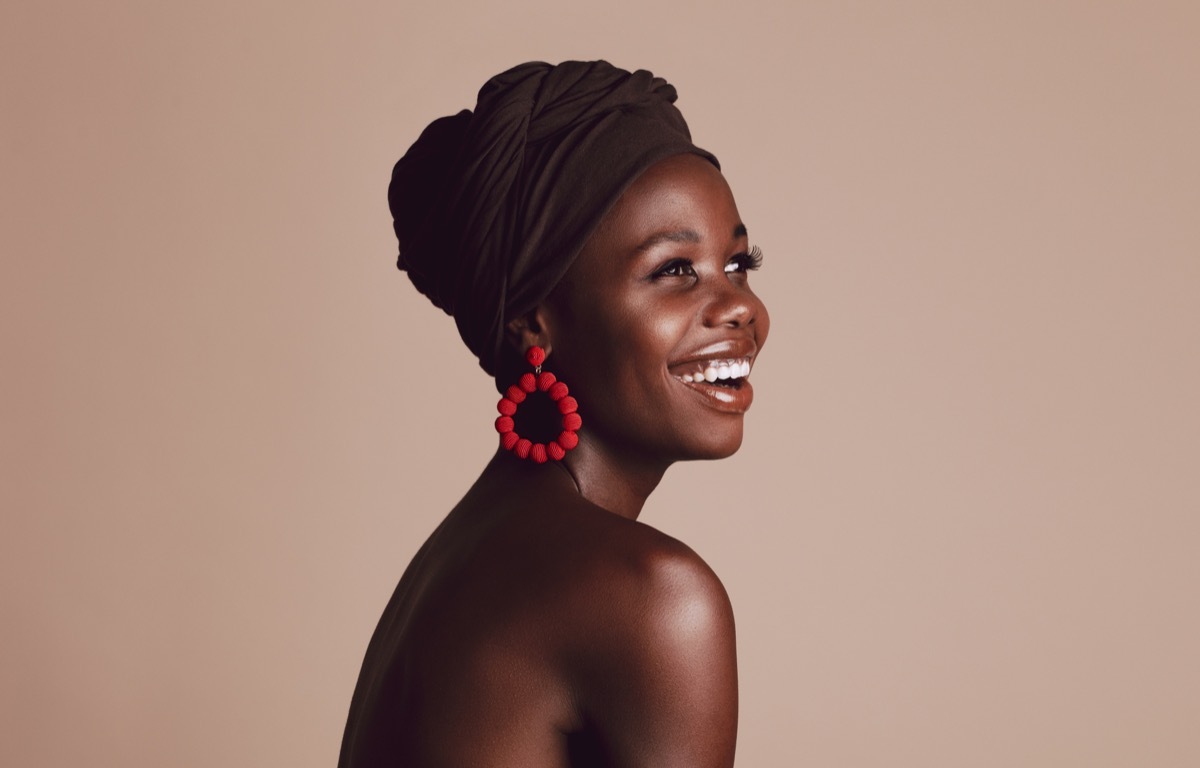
[{"x": 683, "y": 192}]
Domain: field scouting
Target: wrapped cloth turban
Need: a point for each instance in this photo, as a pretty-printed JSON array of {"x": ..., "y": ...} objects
[{"x": 491, "y": 207}]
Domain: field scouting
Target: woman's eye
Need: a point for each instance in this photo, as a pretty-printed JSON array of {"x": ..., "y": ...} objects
[
  {"x": 677, "y": 268},
  {"x": 745, "y": 262}
]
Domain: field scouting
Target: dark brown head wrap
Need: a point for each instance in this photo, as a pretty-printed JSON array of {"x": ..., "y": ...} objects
[{"x": 492, "y": 207}]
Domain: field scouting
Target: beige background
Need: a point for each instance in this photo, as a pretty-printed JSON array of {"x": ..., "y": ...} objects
[{"x": 963, "y": 530}]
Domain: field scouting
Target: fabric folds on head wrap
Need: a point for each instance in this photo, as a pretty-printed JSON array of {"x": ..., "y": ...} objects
[{"x": 491, "y": 207}]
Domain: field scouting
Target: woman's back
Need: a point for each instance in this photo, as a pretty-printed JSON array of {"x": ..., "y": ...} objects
[{"x": 521, "y": 621}]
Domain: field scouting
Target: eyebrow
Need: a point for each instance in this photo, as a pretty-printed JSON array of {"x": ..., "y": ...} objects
[
  {"x": 682, "y": 236},
  {"x": 678, "y": 236}
]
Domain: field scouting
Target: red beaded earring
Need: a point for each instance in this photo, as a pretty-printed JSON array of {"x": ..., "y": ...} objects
[{"x": 516, "y": 394}]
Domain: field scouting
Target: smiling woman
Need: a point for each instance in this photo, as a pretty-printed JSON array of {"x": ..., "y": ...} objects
[{"x": 569, "y": 224}]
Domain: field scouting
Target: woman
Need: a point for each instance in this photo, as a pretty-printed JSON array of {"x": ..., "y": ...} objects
[{"x": 569, "y": 222}]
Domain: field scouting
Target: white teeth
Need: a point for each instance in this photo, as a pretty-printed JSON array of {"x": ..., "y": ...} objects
[{"x": 717, "y": 369}]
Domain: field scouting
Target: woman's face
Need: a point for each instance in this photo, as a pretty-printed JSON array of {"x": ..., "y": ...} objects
[{"x": 655, "y": 326}]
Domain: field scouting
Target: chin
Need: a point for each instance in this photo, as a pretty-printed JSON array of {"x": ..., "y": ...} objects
[{"x": 717, "y": 446}]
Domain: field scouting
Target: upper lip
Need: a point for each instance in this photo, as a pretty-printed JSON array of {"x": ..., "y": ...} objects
[{"x": 721, "y": 350}]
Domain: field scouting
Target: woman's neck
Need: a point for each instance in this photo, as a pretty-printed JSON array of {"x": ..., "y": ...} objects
[{"x": 615, "y": 482}]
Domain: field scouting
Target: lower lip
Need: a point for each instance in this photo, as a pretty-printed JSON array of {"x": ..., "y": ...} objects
[{"x": 725, "y": 399}]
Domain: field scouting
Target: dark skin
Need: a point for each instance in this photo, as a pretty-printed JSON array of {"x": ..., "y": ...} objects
[{"x": 541, "y": 624}]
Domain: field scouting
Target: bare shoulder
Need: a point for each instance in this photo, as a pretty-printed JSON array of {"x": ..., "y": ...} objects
[
  {"x": 630, "y": 574},
  {"x": 665, "y": 587},
  {"x": 650, "y": 654}
]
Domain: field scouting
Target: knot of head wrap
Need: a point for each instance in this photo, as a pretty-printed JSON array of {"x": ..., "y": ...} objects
[{"x": 491, "y": 207}]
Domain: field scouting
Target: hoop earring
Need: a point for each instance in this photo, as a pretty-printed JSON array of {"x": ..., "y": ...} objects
[{"x": 557, "y": 391}]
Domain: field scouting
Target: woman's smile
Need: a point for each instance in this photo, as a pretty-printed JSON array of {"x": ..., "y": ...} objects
[{"x": 719, "y": 374}]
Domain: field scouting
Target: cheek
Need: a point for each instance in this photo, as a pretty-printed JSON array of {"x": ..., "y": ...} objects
[
  {"x": 587, "y": 343},
  {"x": 651, "y": 330},
  {"x": 614, "y": 353}
]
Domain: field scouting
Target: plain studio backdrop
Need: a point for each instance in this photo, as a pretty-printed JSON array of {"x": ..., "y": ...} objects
[{"x": 964, "y": 529}]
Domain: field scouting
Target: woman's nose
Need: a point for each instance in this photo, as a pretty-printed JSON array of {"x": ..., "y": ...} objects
[{"x": 734, "y": 306}]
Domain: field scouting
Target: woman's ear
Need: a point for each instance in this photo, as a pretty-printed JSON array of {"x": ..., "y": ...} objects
[{"x": 529, "y": 330}]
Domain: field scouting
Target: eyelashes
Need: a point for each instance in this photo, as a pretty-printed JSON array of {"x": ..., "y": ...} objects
[
  {"x": 746, "y": 261},
  {"x": 743, "y": 262}
]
